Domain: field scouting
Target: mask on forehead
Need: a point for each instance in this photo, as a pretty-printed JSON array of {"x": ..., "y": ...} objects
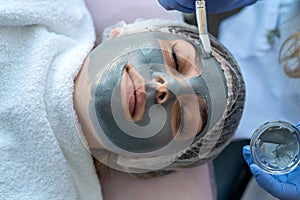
[{"x": 152, "y": 100}]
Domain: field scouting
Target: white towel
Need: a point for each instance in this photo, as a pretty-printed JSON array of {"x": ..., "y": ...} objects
[{"x": 42, "y": 46}]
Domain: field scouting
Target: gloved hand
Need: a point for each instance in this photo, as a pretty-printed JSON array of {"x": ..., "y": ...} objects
[
  {"x": 284, "y": 187},
  {"x": 212, "y": 6}
]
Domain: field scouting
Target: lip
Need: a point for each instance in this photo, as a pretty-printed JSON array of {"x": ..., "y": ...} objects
[{"x": 133, "y": 93}]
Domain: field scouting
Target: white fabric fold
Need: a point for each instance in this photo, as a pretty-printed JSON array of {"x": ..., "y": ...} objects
[{"x": 42, "y": 46}]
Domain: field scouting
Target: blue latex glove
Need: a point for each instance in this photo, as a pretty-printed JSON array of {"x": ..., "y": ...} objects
[
  {"x": 212, "y": 6},
  {"x": 284, "y": 187}
]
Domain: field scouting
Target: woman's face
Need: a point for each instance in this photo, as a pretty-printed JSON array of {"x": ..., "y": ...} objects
[{"x": 151, "y": 91}]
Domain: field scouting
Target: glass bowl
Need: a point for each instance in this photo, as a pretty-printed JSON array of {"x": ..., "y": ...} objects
[{"x": 275, "y": 147}]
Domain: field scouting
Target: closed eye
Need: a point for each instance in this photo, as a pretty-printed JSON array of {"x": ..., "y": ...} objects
[
  {"x": 181, "y": 58},
  {"x": 175, "y": 57},
  {"x": 188, "y": 116}
]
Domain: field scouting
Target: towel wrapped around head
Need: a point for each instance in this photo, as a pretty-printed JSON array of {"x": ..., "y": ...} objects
[{"x": 42, "y": 46}]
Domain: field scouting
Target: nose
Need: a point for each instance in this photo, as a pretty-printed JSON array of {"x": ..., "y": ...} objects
[{"x": 162, "y": 92}]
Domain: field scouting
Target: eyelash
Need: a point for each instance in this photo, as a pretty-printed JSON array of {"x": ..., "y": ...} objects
[{"x": 175, "y": 57}]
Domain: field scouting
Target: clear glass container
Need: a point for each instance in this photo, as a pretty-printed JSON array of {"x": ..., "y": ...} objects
[{"x": 275, "y": 147}]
